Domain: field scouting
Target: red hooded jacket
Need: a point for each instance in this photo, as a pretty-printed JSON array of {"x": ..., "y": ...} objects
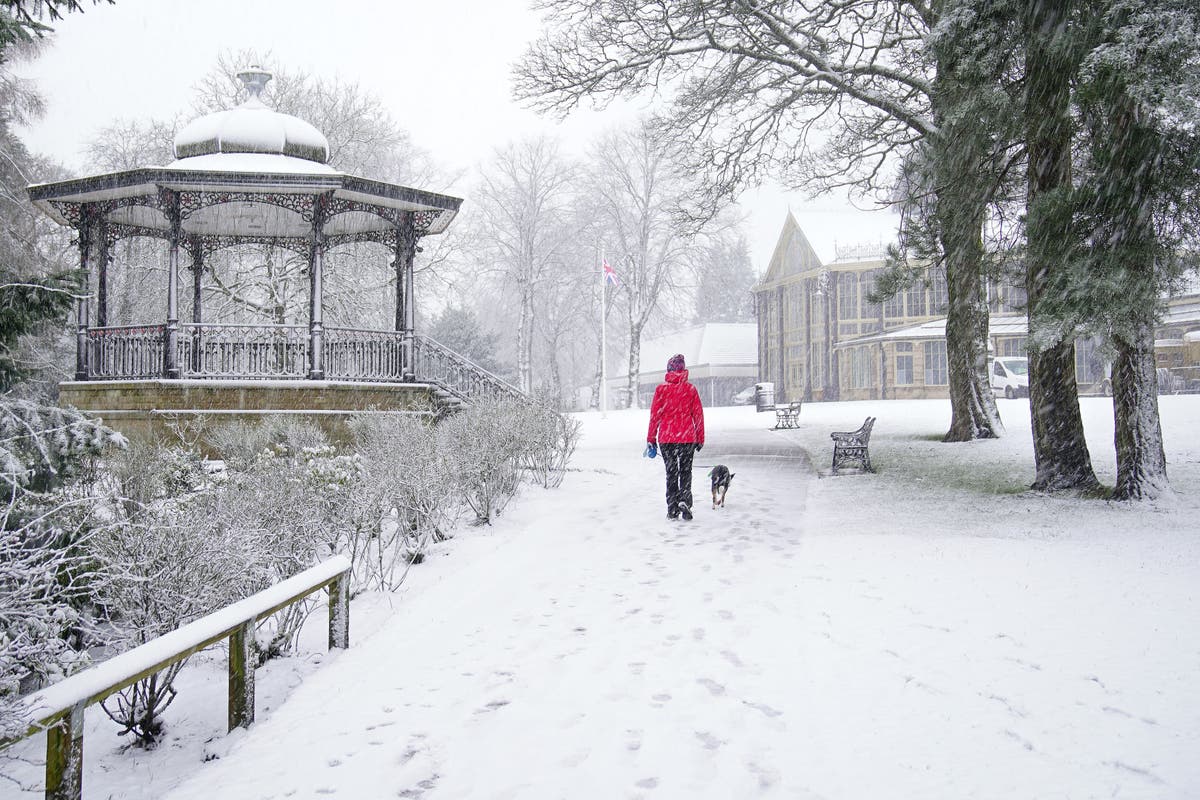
[{"x": 676, "y": 414}]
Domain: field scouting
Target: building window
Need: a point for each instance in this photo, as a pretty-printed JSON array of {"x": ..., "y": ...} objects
[
  {"x": 935, "y": 363},
  {"x": 904, "y": 363},
  {"x": 861, "y": 372},
  {"x": 1089, "y": 361},
  {"x": 893, "y": 308},
  {"x": 939, "y": 295},
  {"x": 848, "y": 296},
  {"x": 866, "y": 285},
  {"x": 1012, "y": 347},
  {"x": 916, "y": 299}
]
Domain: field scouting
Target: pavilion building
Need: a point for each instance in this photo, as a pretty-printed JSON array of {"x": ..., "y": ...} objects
[{"x": 821, "y": 338}]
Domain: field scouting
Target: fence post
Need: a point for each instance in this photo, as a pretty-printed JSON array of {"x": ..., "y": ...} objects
[
  {"x": 339, "y": 611},
  {"x": 64, "y": 756},
  {"x": 241, "y": 676}
]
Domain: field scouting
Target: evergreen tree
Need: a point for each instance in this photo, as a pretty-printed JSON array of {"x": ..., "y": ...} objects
[
  {"x": 21, "y": 21},
  {"x": 1061, "y": 458},
  {"x": 1134, "y": 206},
  {"x": 458, "y": 329}
]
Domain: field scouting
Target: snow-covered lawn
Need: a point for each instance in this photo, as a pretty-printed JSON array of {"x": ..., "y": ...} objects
[{"x": 929, "y": 631}]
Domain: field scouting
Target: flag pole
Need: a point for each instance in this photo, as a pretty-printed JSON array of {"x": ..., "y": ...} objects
[{"x": 603, "y": 348}]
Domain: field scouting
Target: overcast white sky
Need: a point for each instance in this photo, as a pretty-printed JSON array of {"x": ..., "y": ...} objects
[{"x": 442, "y": 68}]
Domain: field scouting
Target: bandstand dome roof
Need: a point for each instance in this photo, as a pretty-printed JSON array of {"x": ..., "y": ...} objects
[
  {"x": 254, "y": 129},
  {"x": 248, "y": 173}
]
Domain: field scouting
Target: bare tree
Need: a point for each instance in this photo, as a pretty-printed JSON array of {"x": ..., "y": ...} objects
[
  {"x": 525, "y": 197},
  {"x": 820, "y": 95},
  {"x": 636, "y": 179}
]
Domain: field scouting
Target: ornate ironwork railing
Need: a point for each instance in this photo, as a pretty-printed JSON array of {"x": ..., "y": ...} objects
[
  {"x": 243, "y": 351},
  {"x": 130, "y": 351},
  {"x": 433, "y": 363},
  {"x": 261, "y": 352},
  {"x": 354, "y": 354}
]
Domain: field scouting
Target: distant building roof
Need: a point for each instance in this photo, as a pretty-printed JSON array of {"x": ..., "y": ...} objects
[{"x": 709, "y": 349}]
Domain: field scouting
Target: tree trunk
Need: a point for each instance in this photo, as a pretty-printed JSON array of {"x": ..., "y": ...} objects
[
  {"x": 525, "y": 341},
  {"x": 962, "y": 185},
  {"x": 973, "y": 413},
  {"x": 635, "y": 364},
  {"x": 1141, "y": 460},
  {"x": 1061, "y": 458},
  {"x": 1135, "y": 165},
  {"x": 555, "y": 374}
]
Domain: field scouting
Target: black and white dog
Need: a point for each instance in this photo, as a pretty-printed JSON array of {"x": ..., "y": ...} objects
[{"x": 721, "y": 478}]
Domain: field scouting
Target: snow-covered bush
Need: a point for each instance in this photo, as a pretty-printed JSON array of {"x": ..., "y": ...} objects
[
  {"x": 240, "y": 443},
  {"x": 44, "y": 583},
  {"x": 290, "y": 503},
  {"x": 549, "y": 441},
  {"x": 485, "y": 443},
  {"x": 166, "y": 560},
  {"x": 47, "y": 575},
  {"x": 406, "y": 496}
]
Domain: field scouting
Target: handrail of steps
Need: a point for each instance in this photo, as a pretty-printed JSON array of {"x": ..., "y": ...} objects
[{"x": 458, "y": 376}]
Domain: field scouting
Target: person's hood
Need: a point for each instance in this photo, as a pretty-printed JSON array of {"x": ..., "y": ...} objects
[{"x": 678, "y": 376}]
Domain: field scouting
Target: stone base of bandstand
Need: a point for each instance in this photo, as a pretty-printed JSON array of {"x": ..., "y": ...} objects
[{"x": 149, "y": 410}]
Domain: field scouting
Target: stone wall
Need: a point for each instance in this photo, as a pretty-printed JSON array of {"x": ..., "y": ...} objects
[{"x": 148, "y": 409}]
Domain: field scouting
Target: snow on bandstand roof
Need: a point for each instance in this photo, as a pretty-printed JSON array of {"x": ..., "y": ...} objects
[
  {"x": 267, "y": 140},
  {"x": 251, "y": 172}
]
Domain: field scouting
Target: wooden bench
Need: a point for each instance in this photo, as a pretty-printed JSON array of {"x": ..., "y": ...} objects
[
  {"x": 787, "y": 416},
  {"x": 850, "y": 447}
]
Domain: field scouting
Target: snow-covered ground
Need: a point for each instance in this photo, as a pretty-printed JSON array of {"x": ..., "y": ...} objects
[{"x": 929, "y": 631}]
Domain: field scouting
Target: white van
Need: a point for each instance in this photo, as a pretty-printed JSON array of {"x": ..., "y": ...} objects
[{"x": 1010, "y": 376}]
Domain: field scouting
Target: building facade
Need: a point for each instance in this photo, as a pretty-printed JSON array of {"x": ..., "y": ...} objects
[{"x": 821, "y": 338}]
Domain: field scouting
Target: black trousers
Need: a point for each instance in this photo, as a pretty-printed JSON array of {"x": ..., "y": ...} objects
[{"x": 677, "y": 457}]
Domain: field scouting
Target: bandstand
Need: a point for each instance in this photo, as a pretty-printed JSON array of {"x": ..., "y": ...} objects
[{"x": 251, "y": 175}]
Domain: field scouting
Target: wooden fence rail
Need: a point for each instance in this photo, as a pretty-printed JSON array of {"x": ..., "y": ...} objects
[{"x": 58, "y": 709}]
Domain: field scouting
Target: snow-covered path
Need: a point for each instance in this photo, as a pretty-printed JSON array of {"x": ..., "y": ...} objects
[
  {"x": 586, "y": 647},
  {"x": 601, "y": 651}
]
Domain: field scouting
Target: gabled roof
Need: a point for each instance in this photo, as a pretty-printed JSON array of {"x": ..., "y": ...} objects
[
  {"x": 714, "y": 344},
  {"x": 793, "y": 253}
]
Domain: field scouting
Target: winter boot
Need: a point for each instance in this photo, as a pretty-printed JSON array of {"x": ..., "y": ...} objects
[{"x": 685, "y": 512}]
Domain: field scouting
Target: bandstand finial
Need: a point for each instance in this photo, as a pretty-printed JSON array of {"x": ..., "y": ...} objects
[{"x": 255, "y": 79}]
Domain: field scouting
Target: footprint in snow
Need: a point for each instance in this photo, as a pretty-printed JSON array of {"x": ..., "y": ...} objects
[
  {"x": 421, "y": 788},
  {"x": 492, "y": 706},
  {"x": 709, "y": 741},
  {"x": 763, "y": 708},
  {"x": 714, "y": 688},
  {"x": 767, "y": 776}
]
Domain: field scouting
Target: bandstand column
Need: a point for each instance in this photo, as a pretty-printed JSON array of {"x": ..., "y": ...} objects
[
  {"x": 316, "y": 291},
  {"x": 197, "y": 253},
  {"x": 102, "y": 245},
  {"x": 406, "y": 250},
  {"x": 82, "y": 310},
  {"x": 171, "y": 337}
]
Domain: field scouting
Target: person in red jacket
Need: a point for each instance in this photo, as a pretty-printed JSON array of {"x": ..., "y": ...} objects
[{"x": 677, "y": 429}]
